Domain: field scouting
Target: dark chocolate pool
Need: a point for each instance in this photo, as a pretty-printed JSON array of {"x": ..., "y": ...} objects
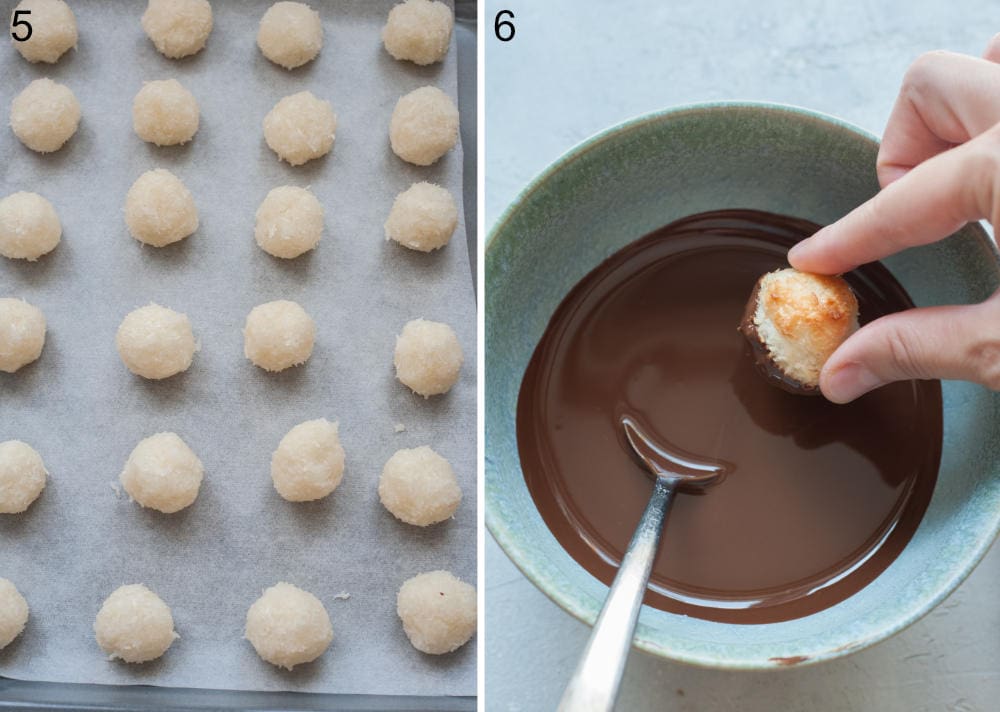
[{"x": 821, "y": 497}]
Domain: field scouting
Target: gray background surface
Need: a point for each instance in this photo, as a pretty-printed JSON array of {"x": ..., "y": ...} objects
[
  {"x": 575, "y": 68},
  {"x": 84, "y": 411}
]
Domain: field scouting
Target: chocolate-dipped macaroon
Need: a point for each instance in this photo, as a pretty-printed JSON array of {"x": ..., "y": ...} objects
[{"x": 794, "y": 321}]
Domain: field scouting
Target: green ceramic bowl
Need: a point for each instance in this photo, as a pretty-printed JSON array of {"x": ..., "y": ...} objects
[{"x": 631, "y": 179}]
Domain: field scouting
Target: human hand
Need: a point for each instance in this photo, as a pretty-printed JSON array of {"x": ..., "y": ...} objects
[{"x": 939, "y": 167}]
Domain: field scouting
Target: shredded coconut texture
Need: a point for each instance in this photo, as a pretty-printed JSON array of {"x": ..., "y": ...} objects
[
  {"x": 438, "y": 612},
  {"x": 428, "y": 357},
  {"x": 300, "y": 127},
  {"x": 423, "y": 217},
  {"x": 419, "y": 487},
  {"x": 418, "y": 31},
  {"x": 45, "y": 115},
  {"x": 22, "y": 477},
  {"x": 309, "y": 461},
  {"x": 288, "y": 626},
  {"x": 290, "y": 34},
  {"x": 278, "y": 335},
  {"x": 802, "y": 318},
  {"x": 29, "y": 226},
  {"x": 22, "y": 334},
  {"x": 165, "y": 113},
  {"x": 424, "y": 126},
  {"x": 134, "y": 625},
  {"x": 53, "y": 30},
  {"x": 178, "y": 28},
  {"x": 163, "y": 473},
  {"x": 13, "y": 613},
  {"x": 289, "y": 222},
  {"x": 159, "y": 209},
  {"x": 155, "y": 342}
]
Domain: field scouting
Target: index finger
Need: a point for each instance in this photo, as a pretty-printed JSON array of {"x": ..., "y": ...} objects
[
  {"x": 929, "y": 203},
  {"x": 945, "y": 99}
]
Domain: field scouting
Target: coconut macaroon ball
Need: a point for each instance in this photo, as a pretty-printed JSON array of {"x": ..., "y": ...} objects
[
  {"x": 53, "y": 30},
  {"x": 165, "y": 113},
  {"x": 13, "y": 613},
  {"x": 424, "y": 126},
  {"x": 155, "y": 342},
  {"x": 288, "y": 626},
  {"x": 159, "y": 209},
  {"x": 278, "y": 335},
  {"x": 22, "y": 477},
  {"x": 178, "y": 28},
  {"x": 418, "y": 31},
  {"x": 290, "y": 34},
  {"x": 134, "y": 625},
  {"x": 289, "y": 222},
  {"x": 300, "y": 127},
  {"x": 163, "y": 473},
  {"x": 22, "y": 334},
  {"x": 794, "y": 321},
  {"x": 423, "y": 217},
  {"x": 428, "y": 357},
  {"x": 29, "y": 226},
  {"x": 419, "y": 487},
  {"x": 45, "y": 115},
  {"x": 309, "y": 461},
  {"x": 438, "y": 612}
]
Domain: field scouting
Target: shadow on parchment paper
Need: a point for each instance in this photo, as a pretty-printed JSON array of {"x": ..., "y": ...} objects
[
  {"x": 175, "y": 255},
  {"x": 79, "y": 149},
  {"x": 421, "y": 267},
  {"x": 437, "y": 662},
  {"x": 149, "y": 669},
  {"x": 175, "y": 527},
  {"x": 288, "y": 382},
  {"x": 422, "y": 75},
  {"x": 306, "y": 174},
  {"x": 300, "y": 674},
  {"x": 312, "y": 519},
  {"x": 171, "y": 390},
  {"x": 27, "y": 524},
  {"x": 279, "y": 74},
  {"x": 174, "y": 158},
  {"x": 144, "y": 49},
  {"x": 435, "y": 407},
  {"x": 297, "y": 267},
  {"x": 430, "y": 536},
  {"x": 10, "y": 652},
  {"x": 46, "y": 267},
  {"x": 76, "y": 59},
  {"x": 402, "y": 174},
  {"x": 27, "y": 378}
]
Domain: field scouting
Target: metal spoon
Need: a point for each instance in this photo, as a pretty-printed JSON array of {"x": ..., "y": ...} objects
[{"x": 594, "y": 685}]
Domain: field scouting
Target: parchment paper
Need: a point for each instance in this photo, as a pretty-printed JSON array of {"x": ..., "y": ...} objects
[{"x": 84, "y": 412}]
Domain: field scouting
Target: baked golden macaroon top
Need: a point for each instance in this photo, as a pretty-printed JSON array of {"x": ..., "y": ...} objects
[{"x": 795, "y": 321}]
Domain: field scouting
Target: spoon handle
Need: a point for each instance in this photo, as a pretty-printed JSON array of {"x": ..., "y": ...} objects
[{"x": 594, "y": 685}]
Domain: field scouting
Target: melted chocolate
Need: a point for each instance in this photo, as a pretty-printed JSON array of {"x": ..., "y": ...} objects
[{"x": 819, "y": 498}]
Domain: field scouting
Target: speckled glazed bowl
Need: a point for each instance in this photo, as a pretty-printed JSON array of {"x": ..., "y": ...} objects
[{"x": 631, "y": 179}]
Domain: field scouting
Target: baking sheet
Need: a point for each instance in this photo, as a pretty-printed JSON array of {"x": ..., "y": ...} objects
[{"x": 84, "y": 412}]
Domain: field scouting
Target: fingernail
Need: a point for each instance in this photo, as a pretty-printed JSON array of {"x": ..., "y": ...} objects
[{"x": 849, "y": 382}]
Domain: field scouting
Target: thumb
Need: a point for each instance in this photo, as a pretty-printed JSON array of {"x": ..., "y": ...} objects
[{"x": 961, "y": 342}]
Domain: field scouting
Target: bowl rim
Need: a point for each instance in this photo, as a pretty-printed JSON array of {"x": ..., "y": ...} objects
[{"x": 586, "y": 614}]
